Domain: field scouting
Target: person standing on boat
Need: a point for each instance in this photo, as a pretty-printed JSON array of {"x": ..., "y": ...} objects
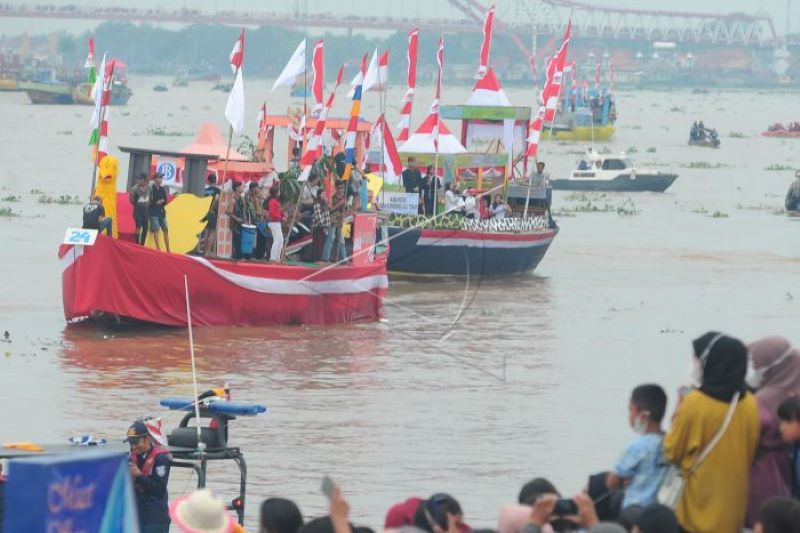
[
  {"x": 411, "y": 177},
  {"x": 275, "y": 217},
  {"x": 500, "y": 209},
  {"x": 430, "y": 183},
  {"x": 255, "y": 214},
  {"x": 319, "y": 223},
  {"x": 451, "y": 199},
  {"x": 793, "y": 196},
  {"x": 149, "y": 465},
  {"x": 338, "y": 202},
  {"x": 94, "y": 216},
  {"x": 236, "y": 214},
  {"x": 140, "y": 199},
  {"x": 210, "y": 239},
  {"x": 157, "y": 211}
]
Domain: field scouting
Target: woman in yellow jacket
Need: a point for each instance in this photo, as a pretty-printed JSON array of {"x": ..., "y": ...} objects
[{"x": 714, "y": 498}]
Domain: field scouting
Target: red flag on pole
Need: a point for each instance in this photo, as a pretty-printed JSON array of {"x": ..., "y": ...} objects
[
  {"x": 408, "y": 98},
  {"x": 486, "y": 45},
  {"x": 435, "y": 104},
  {"x": 317, "y": 62},
  {"x": 555, "y": 74},
  {"x": 237, "y": 54}
]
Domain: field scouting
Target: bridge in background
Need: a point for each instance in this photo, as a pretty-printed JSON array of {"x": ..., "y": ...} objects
[{"x": 523, "y": 17}]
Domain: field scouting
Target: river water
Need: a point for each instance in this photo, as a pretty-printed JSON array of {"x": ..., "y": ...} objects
[{"x": 467, "y": 387}]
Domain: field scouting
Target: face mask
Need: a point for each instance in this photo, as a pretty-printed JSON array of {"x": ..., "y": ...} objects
[
  {"x": 755, "y": 376},
  {"x": 640, "y": 425}
]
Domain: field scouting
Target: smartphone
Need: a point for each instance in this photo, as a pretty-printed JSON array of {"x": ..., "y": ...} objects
[
  {"x": 565, "y": 508},
  {"x": 327, "y": 486}
]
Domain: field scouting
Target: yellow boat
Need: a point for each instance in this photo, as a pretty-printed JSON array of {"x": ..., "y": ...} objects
[
  {"x": 8, "y": 83},
  {"x": 581, "y": 133}
]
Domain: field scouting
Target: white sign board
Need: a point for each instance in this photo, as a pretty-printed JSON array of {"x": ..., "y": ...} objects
[
  {"x": 168, "y": 167},
  {"x": 401, "y": 203},
  {"x": 86, "y": 237}
]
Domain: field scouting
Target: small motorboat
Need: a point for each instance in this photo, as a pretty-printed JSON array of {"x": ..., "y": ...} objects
[
  {"x": 160, "y": 87},
  {"x": 224, "y": 87},
  {"x": 613, "y": 173},
  {"x": 708, "y": 142},
  {"x": 779, "y": 130}
]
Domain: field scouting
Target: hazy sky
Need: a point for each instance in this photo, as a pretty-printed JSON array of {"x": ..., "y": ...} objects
[{"x": 419, "y": 9}]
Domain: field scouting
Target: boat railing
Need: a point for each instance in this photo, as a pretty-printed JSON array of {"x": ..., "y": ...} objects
[{"x": 457, "y": 221}]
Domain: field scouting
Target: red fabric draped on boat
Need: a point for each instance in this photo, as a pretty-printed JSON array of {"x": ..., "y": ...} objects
[{"x": 129, "y": 280}]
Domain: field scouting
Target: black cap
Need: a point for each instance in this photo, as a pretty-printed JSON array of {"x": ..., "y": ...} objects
[{"x": 136, "y": 432}]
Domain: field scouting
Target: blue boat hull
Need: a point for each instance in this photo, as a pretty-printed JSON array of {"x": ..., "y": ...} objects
[
  {"x": 461, "y": 253},
  {"x": 622, "y": 183}
]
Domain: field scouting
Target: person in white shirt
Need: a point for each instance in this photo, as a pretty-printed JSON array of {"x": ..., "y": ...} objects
[
  {"x": 499, "y": 208},
  {"x": 450, "y": 199},
  {"x": 470, "y": 206}
]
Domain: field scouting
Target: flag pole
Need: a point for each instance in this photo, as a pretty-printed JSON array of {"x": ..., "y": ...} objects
[
  {"x": 383, "y": 97},
  {"x": 101, "y": 119}
]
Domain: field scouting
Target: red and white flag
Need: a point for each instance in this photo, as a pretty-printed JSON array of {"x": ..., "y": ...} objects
[
  {"x": 105, "y": 108},
  {"x": 155, "y": 429},
  {"x": 314, "y": 146},
  {"x": 294, "y": 68},
  {"x": 378, "y": 72},
  {"x": 317, "y": 63},
  {"x": 408, "y": 98},
  {"x": 262, "y": 117},
  {"x": 555, "y": 75},
  {"x": 392, "y": 165},
  {"x": 597, "y": 77},
  {"x": 438, "y": 93},
  {"x": 90, "y": 58},
  {"x": 486, "y": 45},
  {"x": 358, "y": 79},
  {"x": 237, "y": 54},
  {"x": 535, "y": 131}
]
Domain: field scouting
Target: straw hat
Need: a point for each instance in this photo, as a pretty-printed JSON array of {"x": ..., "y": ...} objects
[{"x": 201, "y": 512}]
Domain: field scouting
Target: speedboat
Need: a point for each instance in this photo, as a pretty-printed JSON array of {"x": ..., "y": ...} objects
[
  {"x": 706, "y": 142},
  {"x": 612, "y": 173}
]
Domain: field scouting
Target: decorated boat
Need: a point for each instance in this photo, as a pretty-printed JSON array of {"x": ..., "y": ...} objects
[
  {"x": 779, "y": 130},
  {"x": 47, "y": 91},
  {"x": 481, "y": 162},
  {"x": 585, "y": 115},
  {"x": 120, "y": 94},
  {"x": 613, "y": 173}
]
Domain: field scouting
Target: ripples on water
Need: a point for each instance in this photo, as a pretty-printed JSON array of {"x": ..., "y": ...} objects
[{"x": 532, "y": 380}]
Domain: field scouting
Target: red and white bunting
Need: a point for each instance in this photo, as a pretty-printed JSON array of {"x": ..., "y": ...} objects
[
  {"x": 555, "y": 75},
  {"x": 105, "y": 107},
  {"x": 393, "y": 166},
  {"x": 317, "y": 63},
  {"x": 535, "y": 131},
  {"x": 486, "y": 45},
  {"x": 237, "y": 54},
  {"x": 90, "y": 58},
  {"x": 408, "y": 98},
  {"x": 262, "y": 122}
]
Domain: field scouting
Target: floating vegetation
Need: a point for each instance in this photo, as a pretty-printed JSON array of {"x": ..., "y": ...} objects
[
  {"x": 759, "y": 207},
  {"x": 719, "y": 214},
  {"x": 737, "y": 135},
  {"x": 185, "y": 108},
  {"x": 11, "y": 198},
  {"x": 676, "y": 110},
  {"x": 631, "y": 150},
  {"x": 636, "y": 127},
  {"x": 37, "y": 191},
  {"x": 126, "y": 113},
  {"x": 777, "y": 166},
  {"x": 64, "y": 199},
  {"x": 703, "y": 165},
  {"x": 7, "y": 212},
  {"x": 598, "y": 203},
  {"x": 700, "y": 210},
  {"x": 160, "y": 131},
  {"x": 651, "y": 150},
  {"x": 64, "y": 132},
  {"x": 670, "y": 329}
]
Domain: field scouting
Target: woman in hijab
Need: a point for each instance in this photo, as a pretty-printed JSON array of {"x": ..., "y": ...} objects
[
  {"x": 775, "y": 375},
  {"x": 714, "y": 496}
]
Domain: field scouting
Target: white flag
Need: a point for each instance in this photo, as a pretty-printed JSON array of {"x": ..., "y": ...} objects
[
  {"x": 295, "y": 67},
  {"x": 234, "y": 109},
  {"x": 371, "y": 78}
]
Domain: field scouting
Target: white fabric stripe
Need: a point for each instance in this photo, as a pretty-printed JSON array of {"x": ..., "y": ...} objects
[
  {"x": 479, "y": 243},
  {"x": 295, "y": 287},
  {"x": 70, "y": 257}
]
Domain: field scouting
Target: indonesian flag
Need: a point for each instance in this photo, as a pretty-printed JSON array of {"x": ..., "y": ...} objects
[
  {"x": 234, "y": 108},
  {"x": 437, "y": 95},
  {"x": 314, "y": 146},
  {"x": 358, "y": 79},
  {"x": 486, "y": 45},
  {"x": 408, "y": 98},
  {"x": 89, "y": 64},
  {"x": 535, "y": 131},
  {"x": 294, "y": 68},
  {"x": 392, "y": 167},
  {"x": 237, "y": 54},
  {"x": 317, "y": 63},
  {"x": 377, "y": 73},
  {"x": 154, "y": 428}
]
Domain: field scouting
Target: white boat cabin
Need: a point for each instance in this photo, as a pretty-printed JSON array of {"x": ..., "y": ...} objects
[{"x": 596, "y": 166}]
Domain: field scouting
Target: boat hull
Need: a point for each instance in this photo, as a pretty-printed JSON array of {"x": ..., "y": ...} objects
[
  {"x": 782, "y": 134},
  {"x": 461, "y": 253},
  {"x": 47, "y": 93},
  {"x": 120, "y": 94},
  {"x": 580, "y": 133},
  {"x": 622, "y": 183},
  {"x": 704, "y": 144},
  {"x": 115, "y": 277}
]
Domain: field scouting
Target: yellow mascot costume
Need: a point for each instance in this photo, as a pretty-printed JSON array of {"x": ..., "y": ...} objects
[{"x": 106, "y": 189}]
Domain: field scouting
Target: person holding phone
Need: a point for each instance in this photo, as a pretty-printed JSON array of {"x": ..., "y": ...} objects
[{"x": 548, "y": 507}]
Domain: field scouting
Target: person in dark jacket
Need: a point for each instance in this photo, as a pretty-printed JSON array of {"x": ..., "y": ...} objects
[
  {"x": 149, "y": 467},
  {"x": 94, "y": 216},
  {"x": 411, "y": 177}
]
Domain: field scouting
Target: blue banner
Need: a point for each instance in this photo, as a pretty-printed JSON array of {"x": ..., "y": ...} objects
[{"x": 82, "y": 491}]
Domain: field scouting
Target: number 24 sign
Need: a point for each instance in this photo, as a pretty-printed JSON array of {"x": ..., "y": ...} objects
[{"x": 85, "y": 237}]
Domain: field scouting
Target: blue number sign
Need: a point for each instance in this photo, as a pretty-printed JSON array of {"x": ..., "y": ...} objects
[{"x": 85, "y": 237}]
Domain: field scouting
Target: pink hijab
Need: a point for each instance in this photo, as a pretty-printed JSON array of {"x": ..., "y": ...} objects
[{"x": 782, "y": 380}]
